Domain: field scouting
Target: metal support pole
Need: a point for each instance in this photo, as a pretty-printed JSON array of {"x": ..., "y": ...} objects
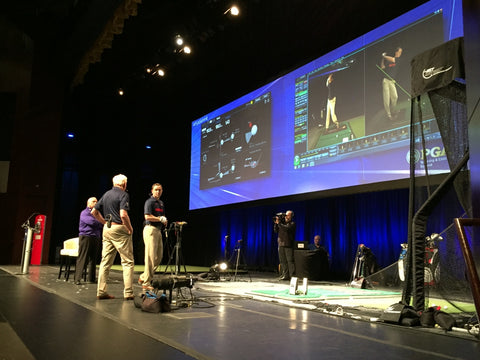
[
  {"x": 28, "y": 250},
  {"x": 469, "y": 261},
  {"x": 236, "y": 263}
]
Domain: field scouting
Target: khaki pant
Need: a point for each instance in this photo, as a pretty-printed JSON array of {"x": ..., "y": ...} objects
[
  {"x": 116, "y": 239},
  {"x": 390, "y": 96},
  {"x": 331, "y": 112},
  {"x": 152, "y": 238}
]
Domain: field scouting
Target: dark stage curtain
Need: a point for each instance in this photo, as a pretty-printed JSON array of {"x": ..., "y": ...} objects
[{"x": 378, "y": 220}]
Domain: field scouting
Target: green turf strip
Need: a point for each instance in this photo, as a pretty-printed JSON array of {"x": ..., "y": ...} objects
[{"x": 323, "y": 293}]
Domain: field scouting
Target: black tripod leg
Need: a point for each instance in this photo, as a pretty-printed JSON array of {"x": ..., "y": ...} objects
[
  {"x": 246, "y": 267},
  {"x": 171, "y": 254},
  {"x": 237, "y": 263}
]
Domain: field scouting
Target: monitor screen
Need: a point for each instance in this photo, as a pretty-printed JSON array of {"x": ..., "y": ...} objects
[{"x": 337, "y": 122}]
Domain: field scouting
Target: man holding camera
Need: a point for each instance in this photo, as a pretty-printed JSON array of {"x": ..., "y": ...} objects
[{"x": 285, "y": 228}]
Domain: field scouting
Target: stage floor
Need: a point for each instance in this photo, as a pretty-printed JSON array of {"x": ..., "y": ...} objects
[{"x": 248, "y": 316}]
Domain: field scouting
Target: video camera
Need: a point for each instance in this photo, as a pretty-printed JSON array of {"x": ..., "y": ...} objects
[{"x": 280, "y": 216}]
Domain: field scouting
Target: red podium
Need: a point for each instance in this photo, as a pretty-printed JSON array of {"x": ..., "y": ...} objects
[{"x": 38, "y": 237}]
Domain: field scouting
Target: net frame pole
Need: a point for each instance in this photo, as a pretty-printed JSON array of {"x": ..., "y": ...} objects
[
  {"x": 472, "y": 274},
  {"x": 419, "y": 224}
]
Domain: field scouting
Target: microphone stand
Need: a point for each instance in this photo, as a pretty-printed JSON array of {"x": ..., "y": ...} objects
[{"x": 238, "y": 249}]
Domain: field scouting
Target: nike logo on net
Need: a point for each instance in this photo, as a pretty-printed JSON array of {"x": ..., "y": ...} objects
[{"x": 431, "y": 72}]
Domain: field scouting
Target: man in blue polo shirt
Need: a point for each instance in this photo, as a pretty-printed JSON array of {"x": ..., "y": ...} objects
[
  {"x": 112, "y": 211},
  {"x": 155, "y": 222}
]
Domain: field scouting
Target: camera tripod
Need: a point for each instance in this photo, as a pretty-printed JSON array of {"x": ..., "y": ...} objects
[
  {"x": 174, "y": 281},
  {"x": 177, "y": 250},
  {"x": 237, "y": 253}
]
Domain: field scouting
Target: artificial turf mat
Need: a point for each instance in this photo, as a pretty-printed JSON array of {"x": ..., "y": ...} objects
[{"x": 327, "y": 293}]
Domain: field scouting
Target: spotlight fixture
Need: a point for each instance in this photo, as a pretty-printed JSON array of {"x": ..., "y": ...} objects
[
  {"x": 186, "y": 49},
  {"x": 219, "y": 267},
  {"x": 234, "y": 10},
  {"x": 155, "y": 70},
  {"x": 178, "y": 40},
  {"x": 121, "y": 92}
]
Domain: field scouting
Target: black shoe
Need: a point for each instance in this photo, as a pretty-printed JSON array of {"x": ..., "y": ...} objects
[{"x": 105, "y": 297}]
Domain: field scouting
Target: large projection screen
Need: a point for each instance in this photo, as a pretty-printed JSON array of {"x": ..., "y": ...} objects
[{"x": 282, "y": 139}]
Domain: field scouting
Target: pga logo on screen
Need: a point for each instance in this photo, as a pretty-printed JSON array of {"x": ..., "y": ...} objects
[{"x": 434, "y": 152}]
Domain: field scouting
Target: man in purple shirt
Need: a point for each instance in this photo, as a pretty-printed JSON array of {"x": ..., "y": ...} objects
[{"x": 89, "y": 241}]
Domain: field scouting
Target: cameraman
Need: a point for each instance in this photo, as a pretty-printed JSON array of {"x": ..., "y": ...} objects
[{"x": 285, "y": 227}]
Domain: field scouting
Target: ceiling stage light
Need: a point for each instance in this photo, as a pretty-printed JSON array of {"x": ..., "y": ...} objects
[
  {"x": 234, "y": 10},
  {"x": 186, "y": 49},
  {"x": 121, "y": 92},
  {"x": 178, "y": 40}
]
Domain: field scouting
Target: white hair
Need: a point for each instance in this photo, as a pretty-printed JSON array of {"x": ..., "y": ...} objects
[{"x": 119, "y": 179}]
